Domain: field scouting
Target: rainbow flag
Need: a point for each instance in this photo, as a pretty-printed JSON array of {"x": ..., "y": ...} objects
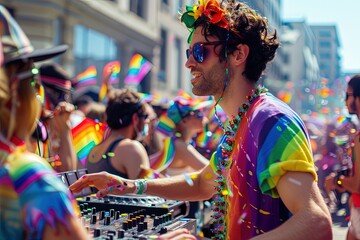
[
  {"x": 146, "y": 97},
  {"x": 203, "y": 138},
  {"x": 86, "y": 78},
  {"x": 166, "y": 157},
  {"x": 138, "y": 68},
  {"x": 86, "y": 135},
  {"x": 341, "y": 121},
  {"x": 158, "y": 99},
  {"x": 114, "y": 68}
]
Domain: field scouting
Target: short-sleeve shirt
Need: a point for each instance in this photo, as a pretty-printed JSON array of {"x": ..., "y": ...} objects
[
  {"x": 31, "y": 196},
  {"x": 271, "y": 140}
]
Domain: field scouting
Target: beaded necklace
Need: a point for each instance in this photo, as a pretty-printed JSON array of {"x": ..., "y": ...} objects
[{"x": 224, "y": 162}]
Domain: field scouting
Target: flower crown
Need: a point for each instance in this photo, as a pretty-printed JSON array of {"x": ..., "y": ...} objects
[{"x": 209, "y": 8}]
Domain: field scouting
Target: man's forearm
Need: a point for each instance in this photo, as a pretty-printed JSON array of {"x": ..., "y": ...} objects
[{"x": 187, "y": 187}]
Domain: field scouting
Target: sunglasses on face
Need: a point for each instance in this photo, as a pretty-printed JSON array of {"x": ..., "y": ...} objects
[
  {"x": 199, "y": 52},
  {"x": 143, "y": 116},
  {"x": 347, "y": 95}
]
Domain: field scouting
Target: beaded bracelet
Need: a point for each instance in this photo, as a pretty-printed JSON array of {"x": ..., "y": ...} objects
[{"x": 140, "y": 186}]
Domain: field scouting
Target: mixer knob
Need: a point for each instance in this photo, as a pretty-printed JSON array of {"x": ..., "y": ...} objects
[
  {"x": 102, "y": 215},
  {"x": 125, "y": 225},
  {"x": 117, "y": 215},
  {"x": 97, "y": 232},
  {"x": 156, "y": 221},
  {"x": 145, "y": 225},
  {"x": 93, "y": 210},
  {"x": 110, "y": 236},
  {"x": 121, "y": 233},
  {"x": 134, "y": 222},
  {"x": 163, "y": 230},
  {"x": 93, "y": 219},
  {"x": 140, "y": 227},
  {"x": 107, "y": 220}
]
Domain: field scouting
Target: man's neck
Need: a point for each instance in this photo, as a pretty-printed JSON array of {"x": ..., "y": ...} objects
[
  {"x": 118, "y": 133},
  {"x": 235, "y": 95}
]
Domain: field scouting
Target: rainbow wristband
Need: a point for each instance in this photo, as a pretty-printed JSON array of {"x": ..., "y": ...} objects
[{"x": 140, "y": 186}]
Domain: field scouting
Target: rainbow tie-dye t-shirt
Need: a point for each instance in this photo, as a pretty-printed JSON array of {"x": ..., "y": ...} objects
[
  {"x": 271, "y": 140},
  {"x": 31, "y": 196}
]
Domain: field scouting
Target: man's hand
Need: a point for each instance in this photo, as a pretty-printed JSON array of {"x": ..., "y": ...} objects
[
  {"x": 180, "y": 234},
  {"x": 106, "y": 184}
]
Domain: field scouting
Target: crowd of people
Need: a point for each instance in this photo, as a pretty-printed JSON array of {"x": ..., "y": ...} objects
[{"x": 268, "y": 173}]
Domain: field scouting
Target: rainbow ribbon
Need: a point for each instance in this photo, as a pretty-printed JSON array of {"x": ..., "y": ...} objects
[
  {"x": 86, "y": 135},
  {"x": 166, "y": 157},
  {"x": 86, "y": 78},
  {"x": 138, "y": 68}
]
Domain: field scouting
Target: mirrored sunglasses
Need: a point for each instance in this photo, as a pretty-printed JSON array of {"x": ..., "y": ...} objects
[{"x": 199, "y": 51}]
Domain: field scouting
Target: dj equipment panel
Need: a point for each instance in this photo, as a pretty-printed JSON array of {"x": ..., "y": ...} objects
[{"x": 130, "y": 216}]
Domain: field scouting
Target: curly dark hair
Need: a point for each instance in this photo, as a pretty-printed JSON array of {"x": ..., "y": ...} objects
[
  {"x": 122, "y": 105},
  {"x": 253, "y": 31}
]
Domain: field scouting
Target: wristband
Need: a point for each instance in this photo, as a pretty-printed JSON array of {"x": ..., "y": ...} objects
[{"x": 140, "y": 186}]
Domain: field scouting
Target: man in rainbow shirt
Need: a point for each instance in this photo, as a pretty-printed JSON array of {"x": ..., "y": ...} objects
[{"x": 262, "y": 176}]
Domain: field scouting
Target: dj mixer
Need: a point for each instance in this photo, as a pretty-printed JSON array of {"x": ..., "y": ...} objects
[{"x": 130, "y": 216}]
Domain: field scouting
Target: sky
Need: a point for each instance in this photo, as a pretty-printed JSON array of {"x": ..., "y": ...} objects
[{"x": 344, "y": 14}]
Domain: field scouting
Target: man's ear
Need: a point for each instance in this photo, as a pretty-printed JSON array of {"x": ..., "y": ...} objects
[
  {"x": 241, "y": 53},
  {"x": 135, "y": 118}
]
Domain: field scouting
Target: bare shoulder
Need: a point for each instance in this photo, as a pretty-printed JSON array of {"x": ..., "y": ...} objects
[{"x": 130, "y": 147}]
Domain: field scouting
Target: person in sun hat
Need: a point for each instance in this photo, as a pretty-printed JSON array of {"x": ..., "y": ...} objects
[
  {"x": 56, "y": 116},
  {"x": 262, "y": 176},
  {"x": 182, "y": 121},
  {"x": 34, "y": 203}
]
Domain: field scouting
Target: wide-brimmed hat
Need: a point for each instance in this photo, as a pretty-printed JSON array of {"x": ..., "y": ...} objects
[
  {"x": 54, "y": 76},
  {"x": 16, "y": 45}
]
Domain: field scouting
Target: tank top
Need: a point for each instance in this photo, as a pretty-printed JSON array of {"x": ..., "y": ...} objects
[{"x": 104, "y": 164}]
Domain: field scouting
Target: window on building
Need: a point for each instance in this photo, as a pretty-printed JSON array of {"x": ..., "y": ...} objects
[
  {"x": 286, "y": 58},
  {"x": 325, "y": 44},
  {"x": 138, "y": 7},
  {"x": 325, "y": 55},
  {"x": 177, "y": 63},
  {"x": 324, "y": 34},
  {"x": 177, "y": 7},
  {"x": 93, "y": 48},
  {"x": 163, "y": 53}
]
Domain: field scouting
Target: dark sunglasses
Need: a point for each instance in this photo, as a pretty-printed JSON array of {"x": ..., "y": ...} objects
[
  {"x": 347, "y": 95},
  {"x": 143, "y": 115},
  {"x": 199, "y": 51}
]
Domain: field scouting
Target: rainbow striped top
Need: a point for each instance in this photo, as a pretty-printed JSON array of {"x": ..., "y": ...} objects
[
  {"x": 31, "y": 196},
  {"x": 271, "y": 140}
]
